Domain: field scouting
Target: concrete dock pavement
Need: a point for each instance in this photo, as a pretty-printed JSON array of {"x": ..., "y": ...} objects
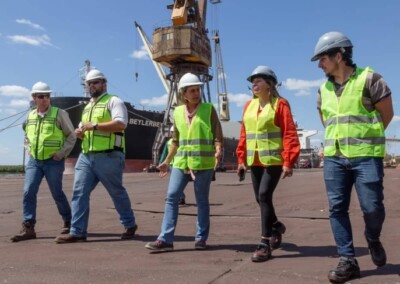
[{"x": 306, "y": 255}]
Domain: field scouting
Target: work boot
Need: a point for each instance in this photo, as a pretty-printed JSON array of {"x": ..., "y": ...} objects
[
  {"x": 262, "y": 253},
  {"x": 182, "y": 201},
  {"x": 65, "y": 228},
  {"x": 278, "y": 229},
  {"x": 27, "y": 232},
  {"x": 129, "y": 233},
  {"x": 377, "y": 252},
  {"x": 200, "y": 245},
  {"x": 68, "y": 238},
  {"x": 160, "y": 246},
  {"x": 346, "y": 270}
]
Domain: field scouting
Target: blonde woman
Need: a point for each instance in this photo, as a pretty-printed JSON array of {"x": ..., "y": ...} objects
[{"x": 269, "y": 146}]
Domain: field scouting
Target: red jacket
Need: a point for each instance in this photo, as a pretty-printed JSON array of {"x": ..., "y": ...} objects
[{"x": 291, "y": 144}]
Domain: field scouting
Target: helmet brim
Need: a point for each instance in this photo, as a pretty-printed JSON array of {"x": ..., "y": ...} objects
[
  {"x": 41, "y": 92},
  {"x": 191, "y": 85},
  {"x": 251, "y": 78}
]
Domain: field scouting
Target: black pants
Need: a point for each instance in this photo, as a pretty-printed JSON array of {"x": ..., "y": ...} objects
[{"x": 265, "y": 181}]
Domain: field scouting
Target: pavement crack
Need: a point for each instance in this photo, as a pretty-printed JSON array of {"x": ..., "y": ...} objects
[{"x": 220, "y": 276}]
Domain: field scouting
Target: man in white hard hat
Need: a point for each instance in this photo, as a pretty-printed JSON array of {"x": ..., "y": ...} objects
[
  {"x": 102, "y": 159},
  {"x": 355, "y": 107},
  {"x": 50, "y": 138}
]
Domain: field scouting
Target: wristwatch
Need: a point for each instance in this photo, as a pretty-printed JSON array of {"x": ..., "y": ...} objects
[{"x": 94, "y": 126}]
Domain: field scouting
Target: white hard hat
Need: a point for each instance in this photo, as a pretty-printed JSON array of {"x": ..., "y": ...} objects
[
  {"x": 263, "y": 71},
  {"x": 40, "y": 87},
  {"x": 329, "y": 41},
  {"x": 188, "y": 80},
  {"x": 95, "y": 74}
]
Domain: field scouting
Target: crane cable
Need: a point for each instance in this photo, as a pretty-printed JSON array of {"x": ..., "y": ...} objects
[{"x": 11, "y": 125}]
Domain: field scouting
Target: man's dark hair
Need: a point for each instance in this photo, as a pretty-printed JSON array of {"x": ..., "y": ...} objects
[{"x": 347, "y": 54}]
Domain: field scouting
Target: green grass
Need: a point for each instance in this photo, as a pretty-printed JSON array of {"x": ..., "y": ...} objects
[{"x": 12, "y": 169}]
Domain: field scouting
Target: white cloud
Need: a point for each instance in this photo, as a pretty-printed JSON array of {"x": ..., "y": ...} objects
[
  {"x": 19, "y": 103},
  {"x": 140, "y": 54},
  {"x": 29, "y": 23},
  {"x": 31, "y": 40},
  {"x": 238, "y": 99},
  {"x": 302, "y": 87},
  {"x": 14, "y": 91},
  {"x": 155, "y": 101}
]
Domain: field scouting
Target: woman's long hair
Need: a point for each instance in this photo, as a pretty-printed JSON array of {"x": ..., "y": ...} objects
[{"x": 273, "y": 89}]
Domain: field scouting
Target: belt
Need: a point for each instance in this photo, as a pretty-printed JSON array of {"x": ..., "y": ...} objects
[{"x": 118, "y": 149}]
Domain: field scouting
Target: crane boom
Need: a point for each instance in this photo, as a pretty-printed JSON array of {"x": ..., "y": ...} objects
[
  {"x": 222, "y": 95},
  {"x": 182, "y": 47},
  {"x": 159, "y": 69}
]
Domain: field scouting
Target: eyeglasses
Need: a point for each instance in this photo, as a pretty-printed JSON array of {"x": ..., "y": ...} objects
[
  {"x": 93, "y": 82},
  {"x": 42, "y": 96}
]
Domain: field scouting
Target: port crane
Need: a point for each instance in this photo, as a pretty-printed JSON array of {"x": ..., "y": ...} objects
[{"x": 184, "y": 47}]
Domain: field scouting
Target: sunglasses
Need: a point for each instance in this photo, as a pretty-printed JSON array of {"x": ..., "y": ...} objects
[
  {"x": 42, "y": 96},
  {"x": 94, "y": 82}
]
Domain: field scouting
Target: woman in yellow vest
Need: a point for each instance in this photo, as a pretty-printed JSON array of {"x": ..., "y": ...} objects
[
  {"x": 269, "y": 145},
  {"x": 196, "y": 149}
]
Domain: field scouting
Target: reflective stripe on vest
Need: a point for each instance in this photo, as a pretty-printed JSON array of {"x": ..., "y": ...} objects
[
  {"x": 44, "y": 136},
  {"x": 262, "y": 135},
  {"x": 348, "y": 125},
  {"x": 196, "y": 149},
  {"x": 98, "y": 140}
]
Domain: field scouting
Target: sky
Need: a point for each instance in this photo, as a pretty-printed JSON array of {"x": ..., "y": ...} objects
[{"x": 49, "y": 41}]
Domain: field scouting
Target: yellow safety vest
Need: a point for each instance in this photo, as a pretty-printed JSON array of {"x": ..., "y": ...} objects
[
  {"x": 348, "y": 125},
  {"x": 262, "y": 135},
  {"x": 97, "y": 140},
  {"x": 196, "y": 149},
  {"x": 44, "y": 136}
]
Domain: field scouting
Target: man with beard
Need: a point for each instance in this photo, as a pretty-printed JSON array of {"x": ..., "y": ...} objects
[
  {"x": 355, "y": 107},
  {"x": 102, "y": 159}
]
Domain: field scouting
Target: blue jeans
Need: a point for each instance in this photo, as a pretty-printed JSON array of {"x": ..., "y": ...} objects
[
  {"x": 52, "y": 170},
  {"x": 366, "y": 174},
  {"x": 91, "y": 169},
  {"x": 177, "y": 184}
]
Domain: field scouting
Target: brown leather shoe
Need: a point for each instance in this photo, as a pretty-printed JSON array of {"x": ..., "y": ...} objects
[
  {"x": 65, "y": 228},
  {"x": 262, "y": 253},
  {"x": 68, "y": 238},
  {"x": 129, "y": 233},
  {"x": 27, "y": 233}
]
